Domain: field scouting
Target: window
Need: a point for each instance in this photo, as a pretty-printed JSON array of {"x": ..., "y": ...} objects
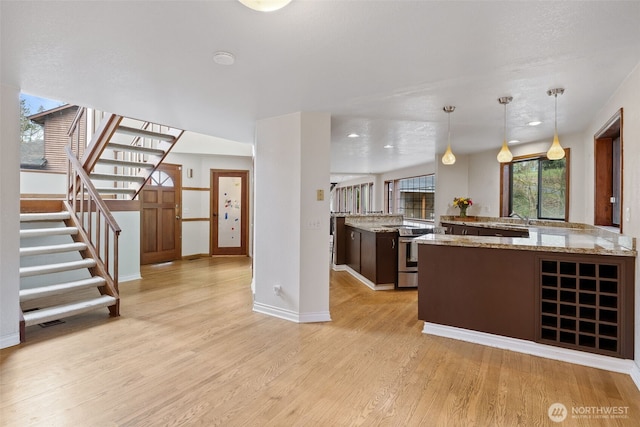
[
  {"x": 160, "y": 179},
  {"x": 536, "y": 187},
  {"x": 357, "y": 199},
  {"x": 412, "y": 197},
  {"x": 44, "y": 124}
]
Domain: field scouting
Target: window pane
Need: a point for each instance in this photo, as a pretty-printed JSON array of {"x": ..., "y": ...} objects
[
  {"x": 415, "y": 198},
  {"x": 524, "y": 190},
  {"x": 553, "y": 185}
]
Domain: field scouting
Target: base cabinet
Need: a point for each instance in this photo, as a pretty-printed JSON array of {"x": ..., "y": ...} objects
[
  {"x": 577, "y": 301},
  {"x": 373, "y": 255}
]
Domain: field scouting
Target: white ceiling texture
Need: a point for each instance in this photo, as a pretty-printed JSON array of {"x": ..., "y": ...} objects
[{"x": 383, "y": 69}]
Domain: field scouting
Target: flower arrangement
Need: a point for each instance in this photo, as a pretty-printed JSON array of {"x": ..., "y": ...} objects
[
  {"x": 462, "y": 203},
  {"x": 459, "y": 202}
]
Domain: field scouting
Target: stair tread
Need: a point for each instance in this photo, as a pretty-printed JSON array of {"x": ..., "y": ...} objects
[
  {"x": 57, "y": 267},
  {"x": 44, "y": 216},
  {"x": 115, "y": 177},
  {"x": 145, "y": 133},
  {"x": 114, "y": 190},
  {"x": 66, "y": 310},
  {"x": 135, "y": 148},
  {"x": 53, "y": 249},
  {"x": 124, "y": 163},
  {"x": 41, "y": 232},
  {"x": 59, "y": 288}
]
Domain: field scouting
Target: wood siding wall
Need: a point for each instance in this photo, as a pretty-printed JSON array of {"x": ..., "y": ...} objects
[{"x": 55, "y": 138}]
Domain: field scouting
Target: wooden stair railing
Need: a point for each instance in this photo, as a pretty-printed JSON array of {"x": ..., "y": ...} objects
[
  {"x": 132, "y": 166},
  {"x": 96, "y": 226}
]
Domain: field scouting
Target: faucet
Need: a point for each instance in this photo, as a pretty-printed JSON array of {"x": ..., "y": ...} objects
[{"x": 524, "y": 219}]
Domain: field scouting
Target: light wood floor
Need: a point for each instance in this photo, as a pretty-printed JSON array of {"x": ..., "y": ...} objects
[{"x": 188, "y": 350}]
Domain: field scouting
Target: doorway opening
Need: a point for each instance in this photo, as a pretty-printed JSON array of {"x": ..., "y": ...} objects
[{"x": 608, "y": 168}]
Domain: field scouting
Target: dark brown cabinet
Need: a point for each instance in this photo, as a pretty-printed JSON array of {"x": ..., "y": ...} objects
[
  {"x": 352, "y": 252},
  {"x": 577, "y": 301},
  {"x": 373, "y": 255},
  {"x": 471, "y": 230}
]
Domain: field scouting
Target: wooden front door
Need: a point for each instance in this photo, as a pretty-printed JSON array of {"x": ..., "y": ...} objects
[
  {"x": 229, "y": 212},
  {"x": 161, "y": 228}
]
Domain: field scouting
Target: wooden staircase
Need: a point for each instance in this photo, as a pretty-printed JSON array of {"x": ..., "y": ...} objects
[
  {"x": 123, "y": 153},
  {"x": 60, "y": 276},
  {"x": 69, "y": 248}
]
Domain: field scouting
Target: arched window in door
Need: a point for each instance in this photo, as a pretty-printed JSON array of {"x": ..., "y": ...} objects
[{"x": 160, "y": 179}]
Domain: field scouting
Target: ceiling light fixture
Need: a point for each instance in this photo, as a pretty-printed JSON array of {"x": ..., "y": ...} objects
[
  {"x": 224, "y": 58},
  {"x": 505, "y": 156},
  {"x": 353, "y": 135},
  {"x": 448, "y": 158},
  {"x": 388, "y": 146},
  {"x": 514, "y": 141},
  {"x": 556, "y": 152},
  {"x": 265, "y": 5},
  {"x": 534, "y": 123}
]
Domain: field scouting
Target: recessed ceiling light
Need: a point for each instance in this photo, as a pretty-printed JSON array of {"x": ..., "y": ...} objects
[
  {"x": 353, "y": 135},
  {"x": 514, "y": 141},
  {"x": 534, "y": 123},
  {"x": 224, "y": 58},
  {"x": 388, "y": 146}
]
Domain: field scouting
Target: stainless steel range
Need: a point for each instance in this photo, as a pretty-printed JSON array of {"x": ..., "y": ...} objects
[{"x": 408, "y": 255}]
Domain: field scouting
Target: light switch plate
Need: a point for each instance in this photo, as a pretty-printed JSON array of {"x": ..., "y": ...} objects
[{"x": 319, "y": 195}]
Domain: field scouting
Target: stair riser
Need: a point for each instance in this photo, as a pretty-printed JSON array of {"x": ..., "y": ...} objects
[
  {"x": 56, "y": 313},
  {"x": 60, "y": 289},
  {"x": 56, "y": 268},
  {"x": 47, "y": 250}
]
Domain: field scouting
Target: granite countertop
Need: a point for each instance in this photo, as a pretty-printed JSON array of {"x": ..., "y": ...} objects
[
  {"x": 383, "y": 223},
  {"x": 543, "y": 236}
]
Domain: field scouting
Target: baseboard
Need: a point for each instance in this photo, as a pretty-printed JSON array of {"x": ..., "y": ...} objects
[
  {"x": 291, "y": 315},
  {"x": 367, "y": 282},
  {"x": 129, "y": 278},
  {"x": 10, "y": 340},
  {"x": 635, "y": 374},
  {"x": 339, "y": 267},
  {"x": 625, "y": 366}
]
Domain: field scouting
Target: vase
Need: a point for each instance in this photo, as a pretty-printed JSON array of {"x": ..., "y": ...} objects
[{"x": 463, "y": 211}]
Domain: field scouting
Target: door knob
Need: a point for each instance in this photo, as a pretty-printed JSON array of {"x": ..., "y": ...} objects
[{"x": 177, "y": 216}]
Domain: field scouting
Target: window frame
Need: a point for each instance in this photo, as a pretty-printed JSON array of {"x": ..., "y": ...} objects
[
  {"x": 506, "y": 184},
  {"x": 393, "y": 192}
]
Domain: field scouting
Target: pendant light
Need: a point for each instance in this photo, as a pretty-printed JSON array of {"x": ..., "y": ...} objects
[
  {"x": 265, "y": 5},
  {"x": 556, "y": 152},
  {"x": 505, "y": 156},
  {"x": 448, "y": 158}
]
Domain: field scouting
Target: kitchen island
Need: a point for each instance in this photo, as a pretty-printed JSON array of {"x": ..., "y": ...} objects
[
  {"x": 367, "y": 246},
  {"x": 567, "y": 285}
]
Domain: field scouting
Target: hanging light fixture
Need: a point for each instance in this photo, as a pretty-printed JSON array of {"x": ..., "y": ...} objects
[
  {"x": 556, "y": 152},
  {"x": 265, "y": 5},
  {"x": 448, "y": 158},
  {"x": 505, "y": 156}
]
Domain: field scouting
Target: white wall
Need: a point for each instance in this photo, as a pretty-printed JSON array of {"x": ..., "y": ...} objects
[
  {"x": 9, "y": 216},
  {"x": 291, "y": 226},
  {"x": 128, "y": 245},
  {"x": 379, "y": 180},
  {"x": 627, "y": 97},
  {"x": 483, "y": 184},
  {"x": 196, "y": 203},
  {"x": 42, "y": 183},
  {"x": 452, "y": 181}
]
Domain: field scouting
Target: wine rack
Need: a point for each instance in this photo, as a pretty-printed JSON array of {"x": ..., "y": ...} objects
[{"x": 580, "y": 305}]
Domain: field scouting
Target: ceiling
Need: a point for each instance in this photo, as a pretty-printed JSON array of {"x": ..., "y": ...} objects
[{"x": 383, "y": 69}]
